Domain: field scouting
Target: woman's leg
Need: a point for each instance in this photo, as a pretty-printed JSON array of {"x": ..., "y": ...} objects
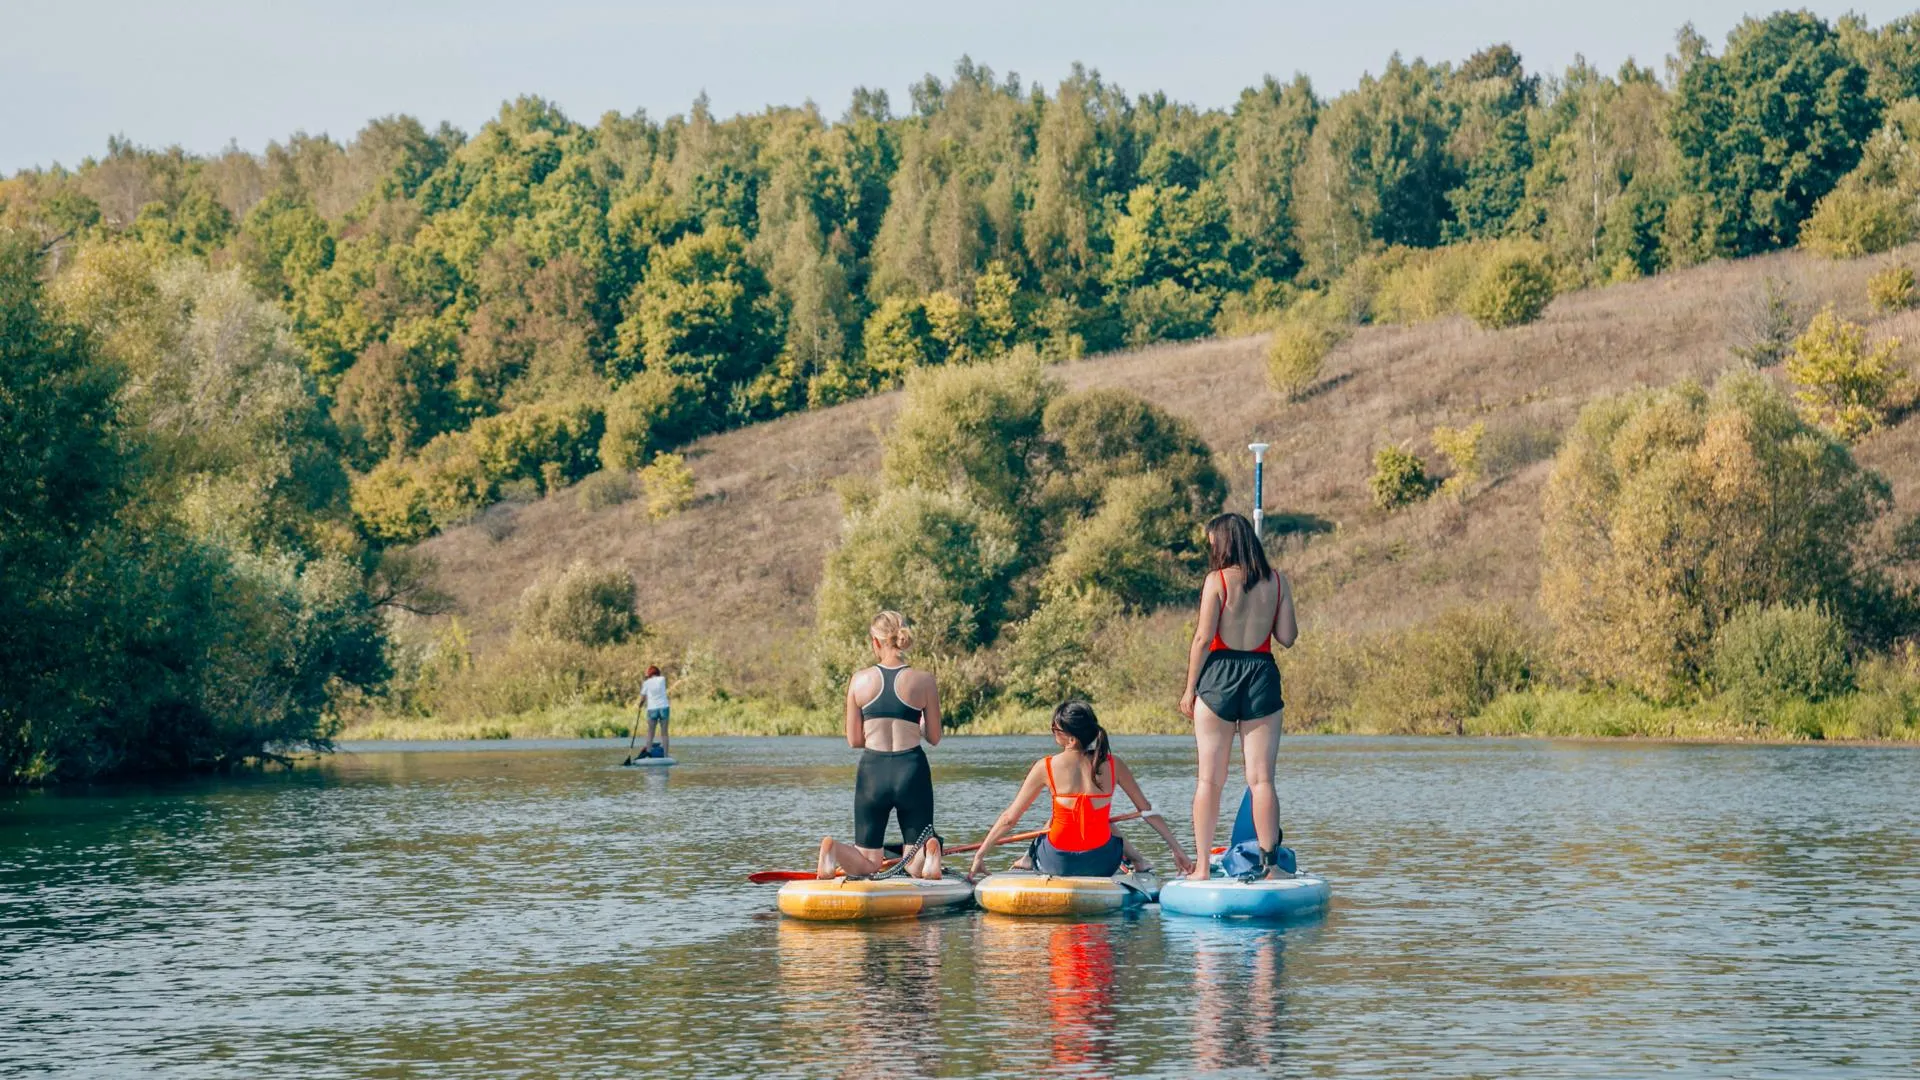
[
  {"x": 1260, "y": 746},
  {"x": 665, "y": 719},
  {"x": 837, "y": 855},
  {"x": 1215, "y": 741},
  {"x": 928, "y": 864},
  {"x": 1133, "y": 856},
  {"x": 653, "y": 725}
]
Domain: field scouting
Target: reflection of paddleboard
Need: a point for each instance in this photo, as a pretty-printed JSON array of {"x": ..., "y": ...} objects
[
  {"x": 1023, "y": 892},
  {"x": 839, "y": 899},
  {"x": 650, "y": 762}
]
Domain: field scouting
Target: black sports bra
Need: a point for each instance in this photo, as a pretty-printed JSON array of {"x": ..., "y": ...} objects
[{"x": 887, "y": 705}]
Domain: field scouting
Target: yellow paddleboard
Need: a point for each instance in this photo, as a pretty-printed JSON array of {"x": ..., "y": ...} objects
[
  {"x": 1022, "y": 892},
  {"x": 841, "y": 900}
]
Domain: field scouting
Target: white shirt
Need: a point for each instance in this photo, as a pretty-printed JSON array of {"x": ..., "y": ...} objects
[{"x": 655, "y": 691}]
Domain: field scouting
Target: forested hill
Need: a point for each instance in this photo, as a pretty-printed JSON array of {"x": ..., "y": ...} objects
[
  {"x": 515, "y": 309},
  {"x": 239, "y": 388}
]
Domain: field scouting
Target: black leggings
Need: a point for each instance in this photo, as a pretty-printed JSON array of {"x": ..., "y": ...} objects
[{"x": 890, "y": 783}]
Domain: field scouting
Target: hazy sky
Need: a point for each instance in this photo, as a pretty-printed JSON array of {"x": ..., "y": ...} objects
[{"x": 201, "y": 72}]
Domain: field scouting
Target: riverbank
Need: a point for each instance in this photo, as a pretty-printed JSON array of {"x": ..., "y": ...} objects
[{"x": 1876, "y": 716}]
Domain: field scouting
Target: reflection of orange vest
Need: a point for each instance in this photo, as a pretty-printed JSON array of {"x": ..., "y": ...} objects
[{"x": 1079, "y": 824}]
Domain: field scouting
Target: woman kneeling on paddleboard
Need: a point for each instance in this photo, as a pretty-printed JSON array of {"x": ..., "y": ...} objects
[
  {"x": 1081, "y": 779},
  {"x": 891, "y": 708},
  {"x": 1237, "y": 687}
]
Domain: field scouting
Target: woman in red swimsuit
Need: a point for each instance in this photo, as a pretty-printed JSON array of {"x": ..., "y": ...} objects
[
  {"x": 1081, "y": 779},
  {"x": 1233, "y": 685}
]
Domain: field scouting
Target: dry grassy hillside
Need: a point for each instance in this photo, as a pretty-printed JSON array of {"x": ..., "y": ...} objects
[{"x": 739, "y": 570}]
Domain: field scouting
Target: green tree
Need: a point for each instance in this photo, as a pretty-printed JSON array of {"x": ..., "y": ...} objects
[
  {"x": 1767, "y": 129},
  {"x": 1669, "y": 511}
]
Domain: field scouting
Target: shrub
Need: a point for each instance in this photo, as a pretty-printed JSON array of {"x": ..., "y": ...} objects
[
  {"x": 936, "y": 556},
  {"x": 606, "y": 488},
  {"x": 1295, "y": 355},
  {"x": 650, "y": 412},
  {"x": 1511, "y": 290},
  {"x": 1144, "y": 545},
  {"x": 669, "y": 486},
  {"x": 1844, "y": 386},
  {"x": 976, "y": 428},
  {"x": 1851, "y": 221},
  {"x": 1768, "y": 323},
  {"x": 1095, "y": 436},
  {"x": 1766, "y": 654},
  {"x": 1461, "y": 446},
  {"x": 1166, "y": 311},
  {"x": 1891, "y": 289},
  {"x": 1435, "y": 677},
  {"x": 1668, "y": 511},
  {"x": 1051, "y": 657},
  {"x": 1399, "y": 478},
  {"x": 584, "y": 604},
  {"x": 1431, "y": 283},
  {"x": 390, "y": 505}
]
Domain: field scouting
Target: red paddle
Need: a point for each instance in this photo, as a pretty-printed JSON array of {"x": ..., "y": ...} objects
[{"x": 763, "y": 877}]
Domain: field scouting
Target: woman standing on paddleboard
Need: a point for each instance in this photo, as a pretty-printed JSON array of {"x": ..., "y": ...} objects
[
  {"x": 891, "y": 710},
  {"x": 1233, "y": 685}
]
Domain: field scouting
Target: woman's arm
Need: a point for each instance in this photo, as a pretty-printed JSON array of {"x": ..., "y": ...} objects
[
  {"x": 1123, "y": 779},
  {"x": 1285, "y": 630},
  {"x": 856, "y": 724},
  {"x": 1029, "y": 791},
  {"x": 1203, "y": 630},
  {"x": 930, "y": 715}
]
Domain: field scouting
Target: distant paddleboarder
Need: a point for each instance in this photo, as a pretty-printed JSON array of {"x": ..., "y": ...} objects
[
  {"x": 1233, "y": 685},
  {"x": 891, "y": 710},
  {"x": 653, "y": 697}
]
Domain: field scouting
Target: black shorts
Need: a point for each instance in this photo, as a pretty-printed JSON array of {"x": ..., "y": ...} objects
[
  {"x": 891, "y": 783},
  {"x": 1240, "y": 685},
  {"x": 1103, "y": 861}
]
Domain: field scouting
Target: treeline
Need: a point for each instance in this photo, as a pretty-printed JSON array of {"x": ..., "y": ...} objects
[
  {"x": 182, "y": 579},
  {"x": 507, "y": 313}
]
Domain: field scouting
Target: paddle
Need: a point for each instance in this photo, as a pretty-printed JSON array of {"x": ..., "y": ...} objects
[
  {"x": 763, "y": 877},
  {"x": 634, "y": 739}
]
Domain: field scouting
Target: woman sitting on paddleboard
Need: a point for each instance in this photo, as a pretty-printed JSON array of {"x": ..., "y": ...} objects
[
  {"x": 891, "y": 710},
  {"x": 1233, "y": 683},
  {"x": 1081, "y": 779}
]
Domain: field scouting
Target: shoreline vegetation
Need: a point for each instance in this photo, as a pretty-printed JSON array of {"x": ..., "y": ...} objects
[
  {"x": 1859, "y": 720},
  {"x": 1590, "y": 399}
]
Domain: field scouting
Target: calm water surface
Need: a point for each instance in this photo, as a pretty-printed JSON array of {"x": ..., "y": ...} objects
[{"x": 1501, "y": 908}]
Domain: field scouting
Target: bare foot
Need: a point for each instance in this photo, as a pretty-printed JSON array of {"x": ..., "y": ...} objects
[
  {"x": 930, "y": 861},
  {"x": 1200, "y": 873},
  {"x": 824, "y": 867}
]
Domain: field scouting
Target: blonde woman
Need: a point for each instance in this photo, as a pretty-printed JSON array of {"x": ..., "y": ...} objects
[{"x": 892, "y": 710}]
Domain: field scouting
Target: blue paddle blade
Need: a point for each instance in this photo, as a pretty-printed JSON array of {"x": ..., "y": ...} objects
[{"x": 1243, "y": 824}]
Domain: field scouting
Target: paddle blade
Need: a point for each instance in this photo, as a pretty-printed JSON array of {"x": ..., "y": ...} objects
[
  {"x": 1243, "y": 824},
  {"x": 763, "y": 877}
]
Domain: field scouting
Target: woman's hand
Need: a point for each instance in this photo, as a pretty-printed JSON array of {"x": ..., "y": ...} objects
[
  {"x": 1186, "y": 704},
  {"x": 1181, "y": 862},
  {"x": 979, "y": 864}
]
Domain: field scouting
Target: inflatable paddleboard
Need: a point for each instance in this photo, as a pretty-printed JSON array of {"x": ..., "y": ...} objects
[
  {"x": 650, "y": 762},
  {"x": 1293, "y": 897},
  {"x": 1023, "y": 892},
  {"x": 1221, "y": 897},
  {"x": 841, "y": 900}
]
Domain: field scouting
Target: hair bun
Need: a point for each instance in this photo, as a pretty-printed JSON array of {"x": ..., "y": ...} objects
[{"x": 890, "y": 628}]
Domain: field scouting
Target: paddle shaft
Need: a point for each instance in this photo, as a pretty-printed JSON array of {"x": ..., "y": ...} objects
[{"x": 764, "y": 876}]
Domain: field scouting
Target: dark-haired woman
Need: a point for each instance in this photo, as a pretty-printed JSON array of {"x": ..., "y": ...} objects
[
  {"x": 1080, "y": 779},
  {"x": 1233, "y": 685}
]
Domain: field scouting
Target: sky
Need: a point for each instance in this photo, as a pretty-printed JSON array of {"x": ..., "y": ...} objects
[{"x": 202, "y": 73}]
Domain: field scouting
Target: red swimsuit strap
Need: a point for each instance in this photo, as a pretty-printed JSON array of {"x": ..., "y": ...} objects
[{"x": 1266, "y": 643}]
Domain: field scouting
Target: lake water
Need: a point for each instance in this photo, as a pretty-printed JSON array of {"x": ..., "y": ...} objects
[{"x": 1501, "y": 908}]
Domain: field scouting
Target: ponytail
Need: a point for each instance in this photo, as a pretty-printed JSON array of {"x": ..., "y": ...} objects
[
  {"x": 1075, "y": 719},
  {"x": 890, "y": 628}
]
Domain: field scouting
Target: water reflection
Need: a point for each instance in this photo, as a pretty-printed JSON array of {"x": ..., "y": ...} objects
[
  {"x": 864, "y": 997},
  {"x": 1239, "y": 1017},
  {"x": 1074, "y": 991}
]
